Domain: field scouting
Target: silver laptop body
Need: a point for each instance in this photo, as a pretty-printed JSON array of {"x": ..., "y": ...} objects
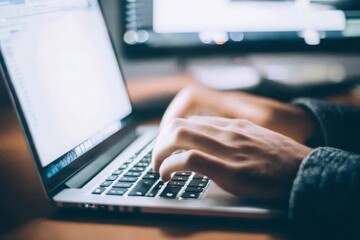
[{"x": 62, "y": 72}]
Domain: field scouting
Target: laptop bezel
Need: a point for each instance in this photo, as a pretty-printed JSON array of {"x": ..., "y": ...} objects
[{"x": 54, "y": 184}]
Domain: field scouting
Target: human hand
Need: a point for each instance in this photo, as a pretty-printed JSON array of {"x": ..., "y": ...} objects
[
  {"x": 240, "y": 156},
  {"x": 289, "y": 120}
]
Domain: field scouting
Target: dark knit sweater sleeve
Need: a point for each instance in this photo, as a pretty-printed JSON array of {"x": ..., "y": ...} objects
[
  {"x": 326, "y": 192},
  {"x": 338, "y": 125}
]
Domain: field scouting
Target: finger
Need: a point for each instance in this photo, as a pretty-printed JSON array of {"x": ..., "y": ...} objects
[
  {"x": 172, "y": 113},
  {"x": 221, "y": 121},
  {"x": 217, "y": 121},
  {"x": 180, "y": 107},
  {"x": 215, "y": 126},
  {"x": 196, "y": 161},
  {"x": 197, "y": 125},
  {"x": 183, "y": 138}
]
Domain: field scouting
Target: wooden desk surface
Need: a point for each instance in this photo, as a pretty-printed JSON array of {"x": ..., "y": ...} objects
[{"x": 25, "y": 212}]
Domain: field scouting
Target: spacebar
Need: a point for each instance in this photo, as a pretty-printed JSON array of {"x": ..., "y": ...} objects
[{"x": 142, "y": 187}]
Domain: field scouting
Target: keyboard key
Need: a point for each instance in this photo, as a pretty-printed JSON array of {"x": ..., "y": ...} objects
[
  {"x": 205, "y": 180},
  {"x": 117, "y": 172},
  {"x": 142, "y": 187},
  {"x": 106, "y": 183},
  {"x": 137, "y": 169},
  {"x": 133, "y": 174},
  {"x": 130, "y": 160},
  {"x": 199, "y": 176},
  {"x": 198, "y": 183},
  {"x": 190, "y": 195},
  {"x": 194, "y": 189},
  {"x": 154, "y": 176},
  {"x": 180, "y": 178},
  {"x": 123, "y": 184},
  {"x": 122, "y": 167},
  {"x": 99, "y": 190},
  {"x": 117, "y": 191},
  {"x": 176, "y": 183},
  {"x": 155, "y": 190},
  {"x": 146, "y": 158},
  {"x": 142, "y": 164},
  {"x": 170, "y": 192},
  {"x": 182, "y": 173},
  {"x": 128, "y": 179},
  {"x": 112, "y": 178}
]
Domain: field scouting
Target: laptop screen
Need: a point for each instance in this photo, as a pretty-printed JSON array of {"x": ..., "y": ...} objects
[{"x": 65, "y": 74}]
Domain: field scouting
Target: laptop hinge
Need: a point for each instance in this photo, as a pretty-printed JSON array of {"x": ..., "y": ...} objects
[{"x": 100, "y": 162}]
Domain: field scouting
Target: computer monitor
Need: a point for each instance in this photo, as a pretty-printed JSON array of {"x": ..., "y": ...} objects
[{"x": 187, "y": 26}]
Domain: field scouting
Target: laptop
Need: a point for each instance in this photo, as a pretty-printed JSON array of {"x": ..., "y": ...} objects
[{"x": 61, "y": 69}]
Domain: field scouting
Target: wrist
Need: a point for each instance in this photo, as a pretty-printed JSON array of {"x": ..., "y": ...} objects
[{"x": 304, "y": 124}]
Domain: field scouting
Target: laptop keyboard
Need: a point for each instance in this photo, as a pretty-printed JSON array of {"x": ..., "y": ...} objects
[{"x": 135, "y": 178}]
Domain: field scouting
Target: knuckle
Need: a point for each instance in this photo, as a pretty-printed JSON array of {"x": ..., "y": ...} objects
[
  {"x": 235, "y": 136},
  {"x": 180, "y": 133},
  {"x": 176, "y": 122},
  {"x": 242, "y": 123},
  {"x": 247, "y": 122},
  {"x": 187, "y": 95},
  {"x": 189, "y": 92}
]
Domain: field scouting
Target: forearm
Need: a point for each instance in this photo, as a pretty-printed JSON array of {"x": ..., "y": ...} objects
[{"x": 326, "y": 191}]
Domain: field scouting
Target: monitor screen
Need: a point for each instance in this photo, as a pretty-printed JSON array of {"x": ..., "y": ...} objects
[
  {"x": 171, "y": 25},
  {"x": 65, "y": 75}
]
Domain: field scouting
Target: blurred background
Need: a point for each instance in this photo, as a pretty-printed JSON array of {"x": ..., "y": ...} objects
[{"x": 281, "y": 49}]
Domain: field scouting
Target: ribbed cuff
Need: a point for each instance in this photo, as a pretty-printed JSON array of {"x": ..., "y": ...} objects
[{"x": 326, "y": 192}]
